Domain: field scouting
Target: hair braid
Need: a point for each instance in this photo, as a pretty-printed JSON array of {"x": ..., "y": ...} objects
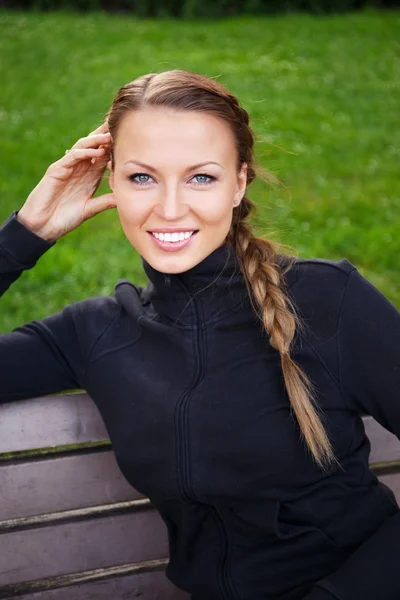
[{"x": 265, "y": 280}]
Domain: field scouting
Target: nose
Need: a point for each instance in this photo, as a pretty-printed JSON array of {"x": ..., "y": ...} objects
[{"x": 171, "y": 206}]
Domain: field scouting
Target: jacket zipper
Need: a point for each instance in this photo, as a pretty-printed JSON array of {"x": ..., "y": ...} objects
[
  {"x": 182, "y": 409},
  {"x": 183, "y": 458}
]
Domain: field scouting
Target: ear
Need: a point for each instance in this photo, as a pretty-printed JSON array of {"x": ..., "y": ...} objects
[
  {"x": 241, "y": 184},
  {"x": 111, "y": 177}
]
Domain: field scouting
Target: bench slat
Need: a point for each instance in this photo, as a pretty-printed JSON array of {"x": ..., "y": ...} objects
[
  {"x": 149, "y": 586},
  {"x": 81, "y": 545},
  {"x": 55, "y": 420},
  {"x": 54, "y": 484}
]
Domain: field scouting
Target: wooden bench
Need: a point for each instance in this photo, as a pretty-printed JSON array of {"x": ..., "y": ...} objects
[{"x": 71, "y": 527}]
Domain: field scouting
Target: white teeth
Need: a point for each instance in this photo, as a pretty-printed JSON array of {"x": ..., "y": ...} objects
[{"x": 173, "y": 237}]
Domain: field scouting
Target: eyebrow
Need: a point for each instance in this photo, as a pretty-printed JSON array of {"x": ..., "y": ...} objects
[{"x": 192, "y": 168}]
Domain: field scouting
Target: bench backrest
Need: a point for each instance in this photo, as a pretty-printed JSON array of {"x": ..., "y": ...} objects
[{"x": 71, "y": 526}]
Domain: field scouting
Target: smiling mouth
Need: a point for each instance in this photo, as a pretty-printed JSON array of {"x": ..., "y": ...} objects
[{"x": 176, "y": 236}]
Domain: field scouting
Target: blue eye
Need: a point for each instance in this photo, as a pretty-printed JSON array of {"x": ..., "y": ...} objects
[
  {"x": 140, "y": 178},
  {"x": 203, "y": 177}
]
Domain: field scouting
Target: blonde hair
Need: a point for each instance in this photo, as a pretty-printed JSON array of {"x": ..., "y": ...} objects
[{"x": 264, "y": 276}]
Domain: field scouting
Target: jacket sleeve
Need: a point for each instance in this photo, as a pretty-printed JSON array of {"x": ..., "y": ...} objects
[
  {"x": 369, "y": 372},
  {"x": 20, "y": 249},
  {"x": 49, "y": 355}
]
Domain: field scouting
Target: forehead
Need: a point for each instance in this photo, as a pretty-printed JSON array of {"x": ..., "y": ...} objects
[{"x": 158, "y": 135}]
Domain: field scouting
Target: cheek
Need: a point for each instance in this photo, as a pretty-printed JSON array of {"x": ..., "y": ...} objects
[
  {"x": 131, "y": 209},
  {"x": 131, "y": 219},
  {"x": 215, "y": 208}
]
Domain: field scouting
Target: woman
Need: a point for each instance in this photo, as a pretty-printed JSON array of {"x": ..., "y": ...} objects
[{"x": 232, "y": 385}]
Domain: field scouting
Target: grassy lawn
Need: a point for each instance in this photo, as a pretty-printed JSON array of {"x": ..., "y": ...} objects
[{"x": 325, "y": 90}]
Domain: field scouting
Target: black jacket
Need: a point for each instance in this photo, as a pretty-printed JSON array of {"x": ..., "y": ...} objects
[{"x": 192, "y": 396}]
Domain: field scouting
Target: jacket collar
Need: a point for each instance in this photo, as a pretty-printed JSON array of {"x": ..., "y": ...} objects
[{"x": 213, "y": 286}]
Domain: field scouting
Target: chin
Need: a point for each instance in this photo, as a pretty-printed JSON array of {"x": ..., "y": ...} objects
[
  {"x": 175, "y": 262},
  {"x": 172, "y": 263}
]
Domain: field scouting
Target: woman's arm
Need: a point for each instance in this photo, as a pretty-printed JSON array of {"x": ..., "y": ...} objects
[
  {"x": 49, "y": 355},
  {"x": 42, "y": 356},
  {"x": 369, "y": 371},
  {"x": 369, "y": 352}
]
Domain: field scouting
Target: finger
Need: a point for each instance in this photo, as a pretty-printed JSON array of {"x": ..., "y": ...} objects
[
  {"x": 76, "y": 155},
  {"x": 102, "y": 160},
  {"x": 93, "y": 140},
  {"x": 99, "y": 204}
]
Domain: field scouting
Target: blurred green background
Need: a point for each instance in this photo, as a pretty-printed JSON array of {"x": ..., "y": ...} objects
[{"x": 323, "y": 93}]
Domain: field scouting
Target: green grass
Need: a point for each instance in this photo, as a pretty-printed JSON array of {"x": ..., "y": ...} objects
[{"x": 325, "y": 89}]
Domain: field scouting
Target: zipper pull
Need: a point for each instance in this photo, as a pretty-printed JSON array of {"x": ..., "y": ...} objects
[{"x": 167, "y": 279}]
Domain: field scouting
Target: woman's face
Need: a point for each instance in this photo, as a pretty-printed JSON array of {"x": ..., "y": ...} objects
[{"x": 175, "y": 173}]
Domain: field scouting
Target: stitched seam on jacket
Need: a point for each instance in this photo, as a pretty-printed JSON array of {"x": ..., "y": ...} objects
[
  {"x": 96, "y": 341},
  {"x": 333, "y": 377},
  {"x": 114, "y": 349},
  {"x": 326, "y": 585}
]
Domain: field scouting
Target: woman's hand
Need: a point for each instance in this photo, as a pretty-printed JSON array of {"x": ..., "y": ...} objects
[{"x": 63, "y": 198}]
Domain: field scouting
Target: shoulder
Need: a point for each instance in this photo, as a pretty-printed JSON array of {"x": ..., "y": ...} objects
[
  {"x": 304, "y": 270},
  {"x": 104, "y": 323},
  {"x": 99, "y": 310},
  {"x": 316, "y": 278},
  {"x": 91, "y": 318},
  {"x": 317, "y": 286}
]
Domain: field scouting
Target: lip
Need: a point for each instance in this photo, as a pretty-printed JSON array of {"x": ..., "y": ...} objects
[
  {"x": 172, "y": 229},
  {"x": 172, "y": 246}
]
